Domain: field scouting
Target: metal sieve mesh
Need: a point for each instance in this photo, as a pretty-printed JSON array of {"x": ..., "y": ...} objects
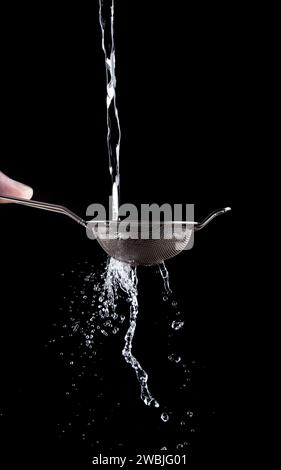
[{"x": 146, "y": 244}]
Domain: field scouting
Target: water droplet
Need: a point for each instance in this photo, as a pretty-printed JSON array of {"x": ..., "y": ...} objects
[
  {"x": 165, "y": 417},
  {"x": 174, "y": 358},
  {"x": 177, "y": 325},
  {"x": 154, "y": 403}
]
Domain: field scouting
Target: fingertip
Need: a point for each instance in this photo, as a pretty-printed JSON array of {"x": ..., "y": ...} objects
[
  {"x": 10, "y": 187},
  {"x": 26, "y": 192}
]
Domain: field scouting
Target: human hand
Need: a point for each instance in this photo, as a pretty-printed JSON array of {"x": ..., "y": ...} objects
[{"x": 9, "y": 187}]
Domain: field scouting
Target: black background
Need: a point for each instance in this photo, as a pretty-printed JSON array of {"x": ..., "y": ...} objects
[{"x": 182, "y": 87}]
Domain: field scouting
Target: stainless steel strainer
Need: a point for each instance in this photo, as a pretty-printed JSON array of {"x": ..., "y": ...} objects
[{"x": 145, "y": 244}]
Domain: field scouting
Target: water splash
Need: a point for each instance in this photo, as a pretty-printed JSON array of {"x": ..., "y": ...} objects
[
  {"x": 106, "y": 18},
  {"x": 104, "y": 319},
  {"x": 95, "y": 310}
]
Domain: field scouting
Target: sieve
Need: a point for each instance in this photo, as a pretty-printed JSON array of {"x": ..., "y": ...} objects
[{"x": 145, "y": 243}]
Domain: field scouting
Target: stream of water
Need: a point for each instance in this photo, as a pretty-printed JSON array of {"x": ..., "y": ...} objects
[
  {"x": 123, "y": 276},
  {"x": 106, "y": 18}
]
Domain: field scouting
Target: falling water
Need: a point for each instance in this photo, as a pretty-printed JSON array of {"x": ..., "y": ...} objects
[
  {"x": 102, "y": 292},
  {"x": 94, "y": 313},
  {"x": 166, "y": 281},
  {"x": 106, "y": 18},
  {"x": 123, "y": 276}
]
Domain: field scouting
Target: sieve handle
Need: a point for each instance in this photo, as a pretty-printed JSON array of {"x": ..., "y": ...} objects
[
  {"x": 45, "y": 206},
  {"x": 210, "y": 217}
]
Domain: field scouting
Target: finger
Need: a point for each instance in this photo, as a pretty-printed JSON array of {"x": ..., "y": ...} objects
[{"x": 10, "y": 187}]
